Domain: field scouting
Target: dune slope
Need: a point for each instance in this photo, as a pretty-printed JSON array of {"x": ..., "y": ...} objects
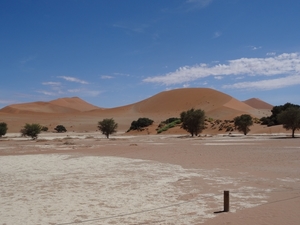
[{"x": 258, "y": 103}]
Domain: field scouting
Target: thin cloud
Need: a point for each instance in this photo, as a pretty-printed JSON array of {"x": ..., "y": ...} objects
[
  {"x": 106, "y": 77},
  {"x": 287, "y": 64},
  {"x": 217, "y": 34},
  {"x": 51, "y": 83},
  {"x": 28, "y": 59},
  {"x": 255, "y": 47},
  {"x": 198, "y": 4},
  {"x": 47, "y": 93},
  {"x": 74, "y": 90},
  {"x": 83, "y": 92},
  {"x": 6, "y": 101},
  {"x": 73, "y": 79},
  {"x": 218, "y": 77},
  {"x": 133, "y": 27},
  {"x": 266, "y": 84}
]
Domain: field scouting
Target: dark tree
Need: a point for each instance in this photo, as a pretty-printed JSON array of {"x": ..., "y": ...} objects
[
  {"x": 140, "y": 123},
  {"x": 3, "y": 129},
  {"x": 193, "y": 121},
  {"x": 290, "y": 118},
  {"x": 44, "y": 128},
  {"x": 31, "y": 130},
  {"x": 273, "y": 119},
  {"x": 107, "y": 127},
  {"x": 243, "y": 122},
  {"x": 60, "y": 129}
]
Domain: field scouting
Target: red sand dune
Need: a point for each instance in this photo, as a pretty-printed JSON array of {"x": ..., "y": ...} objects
[
  {"x": 74, "y": 103},
  {"x": 258, "y": 103},
  {"x": 78, "y": 115}
]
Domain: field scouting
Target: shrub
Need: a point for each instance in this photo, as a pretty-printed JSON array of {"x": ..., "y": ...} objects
[
  {"x": 60, "y": 129},
  {"x": 169, "y": 125},
  {"x": 172, "y": 119},
  {"x": 3, "y": 129},
  {"x": 31, "y": 130},
  {"x": 140, "y": 123},
  {"x": 44, "y": 128}
]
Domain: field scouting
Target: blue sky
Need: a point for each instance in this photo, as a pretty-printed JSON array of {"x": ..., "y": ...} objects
[{"x": 117, "y": 52}]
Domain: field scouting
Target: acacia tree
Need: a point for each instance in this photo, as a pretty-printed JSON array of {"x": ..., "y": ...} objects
[
  {"x": 243, "y": 122},
  {"x": 3, "y": 129},
  {"x": 193, "y": 121},
  {"x": 107, "y": 127},
  {"x": 290, "y": 118},
  {"x": 31, "y": 130}
]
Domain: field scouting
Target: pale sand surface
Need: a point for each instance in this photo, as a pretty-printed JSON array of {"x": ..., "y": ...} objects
[{"x": 83, "y": 178}]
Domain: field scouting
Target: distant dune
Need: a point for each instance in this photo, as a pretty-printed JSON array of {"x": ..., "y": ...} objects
[
  {"x": 61, "y": 105},
  {"x": 74, "y": 103},
  {"x": 258, "y": 104},
  {"x": 78, "y": 115}
]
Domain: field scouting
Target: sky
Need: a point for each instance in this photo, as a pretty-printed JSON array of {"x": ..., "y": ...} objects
[{"x": 112, "y": 53}]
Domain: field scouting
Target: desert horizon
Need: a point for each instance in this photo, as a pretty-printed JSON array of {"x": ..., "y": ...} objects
[{"x": 79, "y": 116}]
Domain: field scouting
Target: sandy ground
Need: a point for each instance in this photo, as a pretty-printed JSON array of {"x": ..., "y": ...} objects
[{"x": 83, "y": 178}]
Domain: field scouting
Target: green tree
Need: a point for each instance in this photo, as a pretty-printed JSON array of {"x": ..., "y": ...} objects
[
  {"x": 243, "y": 122},
  {"x": 140, "y": 123},
  {"x": 193, "y": 121},
  {"x": 60, "y": 129},
  {"x": 31, "y": 130},
  {"x": 273, "y": 119},
  {"x": 290, "y": 118},
  {"x": 107, "y": 127},
  {"x": 3, "y": 129}
]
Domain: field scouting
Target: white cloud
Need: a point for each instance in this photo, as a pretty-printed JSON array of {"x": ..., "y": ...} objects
[
  {"x": 255, "y": 48},
  {"x": 218, "y": 77},
  {"x": 73, "y": 79},
  {"x": 267, "y": 84},
  {"x": 284, "y": 64},
  {"x": 271, "y": 53},
  {"x": 47, "y": 93},
  {"x": 122, "y": 74},
  {"x": 52, "y": 83},
  {"x": 106, "y": 77}
]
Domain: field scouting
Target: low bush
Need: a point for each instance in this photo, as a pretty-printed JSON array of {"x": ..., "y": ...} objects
[
  {"x": 60, "y": 129},
  {"x": 44, "y": 128},
  {"x": 169, "y": 125},
  {"x": 31, "y": 130},
  {"x": 140, "y": 123}
]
